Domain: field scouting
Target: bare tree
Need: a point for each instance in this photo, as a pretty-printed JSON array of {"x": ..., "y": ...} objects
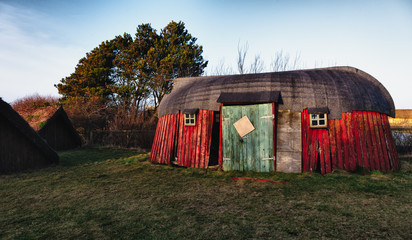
[
  {"x": 222, "y": 69},
  {"x": 282, "y": 62},
  {"x": 257, "y": 66},
  {"x": 241, "y": 53}
]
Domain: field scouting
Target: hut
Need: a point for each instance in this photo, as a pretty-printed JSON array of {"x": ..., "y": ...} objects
[
  {"x": 293, "y": 121},
  {"x": 52, "y": 124},
  {"x": 59, "y": 133},
  {"x": 20, "y": 146}
]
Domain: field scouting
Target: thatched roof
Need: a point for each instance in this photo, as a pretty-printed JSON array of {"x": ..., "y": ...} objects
[
  {"x": 60, "y": 113},
  {"x": 339, "y": 89},
  {"x": 16, "y": 120},
  {"x": 36, "y": 117}
]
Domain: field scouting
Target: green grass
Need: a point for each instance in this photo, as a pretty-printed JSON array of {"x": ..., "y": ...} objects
[{"x": 106, "y": 193}]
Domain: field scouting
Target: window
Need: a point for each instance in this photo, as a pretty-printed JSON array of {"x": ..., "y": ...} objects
[
  {"x": 190, "y": 119},
  {"x": 318, "y": 120}
]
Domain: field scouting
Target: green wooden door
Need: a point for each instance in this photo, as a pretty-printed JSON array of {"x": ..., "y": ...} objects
[{"x": 253, "y": 152}]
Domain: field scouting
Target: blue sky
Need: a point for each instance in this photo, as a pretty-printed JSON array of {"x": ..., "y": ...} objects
[{"x": 41, "y": 41}]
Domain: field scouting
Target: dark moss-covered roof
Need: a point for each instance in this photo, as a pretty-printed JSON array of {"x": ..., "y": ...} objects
[
  {"x": 60, "y": 113},
  {"x": 339, "y": 89},
  {"x": 17, "y": 121}
]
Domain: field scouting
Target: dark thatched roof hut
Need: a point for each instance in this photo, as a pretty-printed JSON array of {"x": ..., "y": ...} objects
[
  {"x": 20, "y": 146},
  {"x": 59, "y": 133},
  {"x": 293, "y": 121}
]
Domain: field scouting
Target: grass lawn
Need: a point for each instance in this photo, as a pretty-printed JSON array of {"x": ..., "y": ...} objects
[{"x": 106, "y": 193}]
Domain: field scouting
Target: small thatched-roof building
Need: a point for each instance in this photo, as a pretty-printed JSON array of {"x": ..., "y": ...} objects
[
  {"x": 20, "y": 146},
  {"x": 52, "y": 124},
  {"x": 293, "y": 121},
  {"x": 59, "y": 132}
]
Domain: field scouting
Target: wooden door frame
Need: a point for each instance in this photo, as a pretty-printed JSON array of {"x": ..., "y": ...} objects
[{"x": 274, "y": 120}]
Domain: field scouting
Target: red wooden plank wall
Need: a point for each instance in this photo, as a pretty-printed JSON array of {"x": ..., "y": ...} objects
[
  {"x": 193, "y": 142},
  {"x": 360, "y": 138},
  {"x": 164, "y": 140}
]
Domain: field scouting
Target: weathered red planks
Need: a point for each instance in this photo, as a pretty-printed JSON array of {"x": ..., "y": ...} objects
[
  {"x": 345, "y": 142},
  {"x": 357, "y": 139},
  {"x": 326, "y": 144},
  {"x": 360, "y": 138},
  {"x": 352, "y": 154},
  {"x": 321, "y": 151},
  {"x": 363, "y": 141},
  {"x": 332, "y": 137}
]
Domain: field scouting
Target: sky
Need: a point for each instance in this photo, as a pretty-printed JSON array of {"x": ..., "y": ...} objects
[{"x": 41, "y": 41}]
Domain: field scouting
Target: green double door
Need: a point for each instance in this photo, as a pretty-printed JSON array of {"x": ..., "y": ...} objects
[{"x": 254, "y": 151}]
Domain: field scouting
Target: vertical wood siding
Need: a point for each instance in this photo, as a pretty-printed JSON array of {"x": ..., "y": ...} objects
[
  {"x": 17, "y": 152},
  {"x": 189, "y": 144},
  {"x": 193, "y": 142},
  {"x": 59, "y": 135},
  {"x": 358, "y": 139},
  {"x": 163, "y": 143}
]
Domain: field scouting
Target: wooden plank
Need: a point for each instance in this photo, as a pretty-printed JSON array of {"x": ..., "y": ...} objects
[
  {"x": 197, "y": 137},
  {"x": 176, "y": 137},
  {"x": 161, "y": 142},
  {"x": 169, "y": 139},
  {"x": 374, "y": 142},
  {"x": 180, "y": 141},
  {"x": 204, "y": 140},
  {"x": 382, "y": 142},
  {"x": 313, "y": 149},
  {"x": 357, "y": 138},
  {"x": 185, "y": 145},
  {"x": 326, "y": 144},
  {"x": 339, "y": 143},
  {"x": 368, "y": 141},
  {"x": 321, "y": 151},
  {"x": 192, "y": 143},
  {"x": 379, "y": 150},
  {"x": 352, "y": 154},
  {"x": 363, "y": 141},
  {"x": 155, "y": 143},
  {"x": 162, "y": 159},
  {"x": 345, "y": 142},
  {"x": 332, "y": 137},
  {"x": 315, "y": 159},
  {"x": 209, "y": 137}
]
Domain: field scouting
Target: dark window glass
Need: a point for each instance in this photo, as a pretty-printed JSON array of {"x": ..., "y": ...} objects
[
  {"x": 321, "y": 115},
  {"x": 321, "y": 122},
  {"x": 192, "y": 121},
  {"x": 314, "y": 123},
  {"x": 313, "y": 116}
]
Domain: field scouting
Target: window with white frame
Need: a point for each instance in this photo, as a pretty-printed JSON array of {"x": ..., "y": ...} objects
[
  {"x": 190, "y": 119},
  {"x": 318, "y": 120}
]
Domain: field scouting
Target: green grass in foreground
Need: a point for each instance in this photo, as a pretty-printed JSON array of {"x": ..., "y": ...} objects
[{"x": 106, "y": 193}]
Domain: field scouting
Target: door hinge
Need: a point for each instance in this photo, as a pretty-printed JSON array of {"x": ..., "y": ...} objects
[
  {"x": 226, "y": 159},
  {"x": 271, "y": 116},
  {"x": 269, "y": 159},
  {"x": 226, "y": 119}
]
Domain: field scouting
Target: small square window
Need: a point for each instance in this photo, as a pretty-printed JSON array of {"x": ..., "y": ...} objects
[
  {"x": 319, "y": 120},
  {"x": 190, "y": 119}
]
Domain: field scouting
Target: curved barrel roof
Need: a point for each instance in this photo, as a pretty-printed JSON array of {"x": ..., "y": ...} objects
[{"x": 340, "y": 89}]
